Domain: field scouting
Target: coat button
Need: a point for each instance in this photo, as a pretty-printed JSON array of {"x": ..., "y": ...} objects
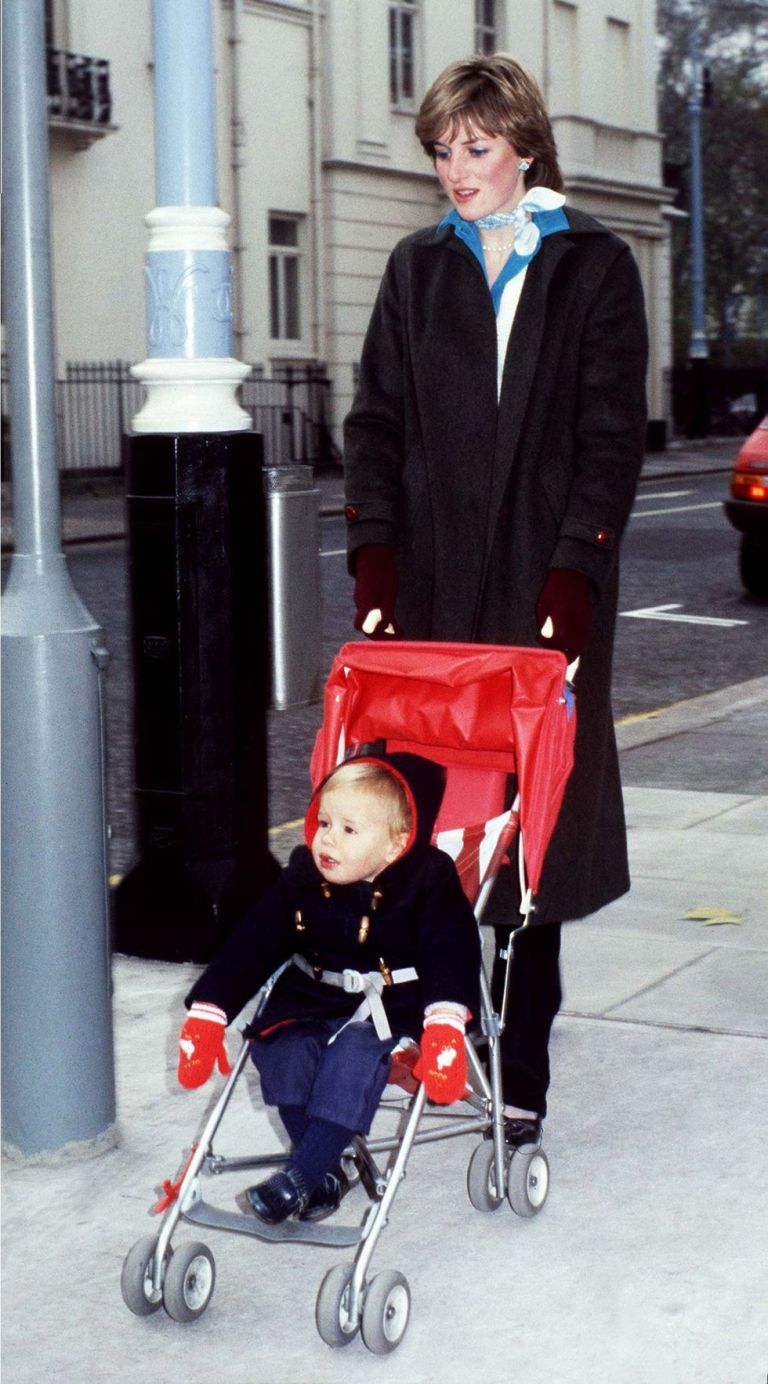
[
  {"x": 351, "y": 513},
  {"x": 603, "y": 536}
]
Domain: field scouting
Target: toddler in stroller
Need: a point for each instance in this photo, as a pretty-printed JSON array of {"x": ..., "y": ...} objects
[
  {"x": 380, "y": 942},
  {"x": 336, "y": 954}
]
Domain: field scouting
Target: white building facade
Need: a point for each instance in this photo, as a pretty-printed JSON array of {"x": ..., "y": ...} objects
[{"x": 319, "y": 166}]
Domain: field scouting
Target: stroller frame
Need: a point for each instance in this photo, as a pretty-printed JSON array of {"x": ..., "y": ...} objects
[{"x": 348, "y": 1301}]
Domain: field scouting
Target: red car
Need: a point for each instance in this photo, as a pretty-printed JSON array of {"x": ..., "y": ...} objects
[{"x": 747, "y": 509}]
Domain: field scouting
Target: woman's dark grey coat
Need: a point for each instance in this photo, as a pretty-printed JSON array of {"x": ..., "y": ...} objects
[{"x": 480, "y": 499}]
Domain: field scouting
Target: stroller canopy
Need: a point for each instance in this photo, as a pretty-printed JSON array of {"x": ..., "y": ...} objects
[{"x": 484, "y": 707}]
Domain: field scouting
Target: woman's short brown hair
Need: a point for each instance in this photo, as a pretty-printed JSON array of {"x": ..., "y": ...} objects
[{"x": 494, "y": 95}]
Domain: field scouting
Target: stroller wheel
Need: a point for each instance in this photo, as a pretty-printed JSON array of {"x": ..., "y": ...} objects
[
  {"x": 136, "y": 1278},
  {"x": 189, "y": 1280},
  {"x": 386, "y": 1312},
  {"x": 528, "y": 1181},
  {"x": 481, "y": 1179},
  {"x": 335, "y": 1325}
]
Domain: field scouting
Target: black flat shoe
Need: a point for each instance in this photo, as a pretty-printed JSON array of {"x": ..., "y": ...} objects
[
  {"x": 277, "y": 1198},
  {"x": 518, "y": 1132},
  {"x": 326, "y": 1198}
]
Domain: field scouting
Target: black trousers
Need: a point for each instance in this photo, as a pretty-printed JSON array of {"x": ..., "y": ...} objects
[{"x": 535, "y": 996}]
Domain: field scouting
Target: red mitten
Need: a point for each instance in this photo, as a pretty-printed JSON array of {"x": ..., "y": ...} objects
[
  {"x": 443, "y": 1062},
  {"x": 564, "y": 611},
  {"x": 376, "y": 586},
  {"x": 201, "y": 1045}
]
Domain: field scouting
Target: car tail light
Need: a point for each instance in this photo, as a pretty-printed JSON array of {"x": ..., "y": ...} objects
[{"x": 746, "y": 485}]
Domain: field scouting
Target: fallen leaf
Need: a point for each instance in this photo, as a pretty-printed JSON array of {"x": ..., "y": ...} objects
[{"x": 714, "y": 917}]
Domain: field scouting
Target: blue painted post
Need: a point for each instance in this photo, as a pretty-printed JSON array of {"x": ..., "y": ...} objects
[
  {"x": 185, "y": 111},
  {"x": 189, "y": 374},
  {"x": 58, "y": 1074}
]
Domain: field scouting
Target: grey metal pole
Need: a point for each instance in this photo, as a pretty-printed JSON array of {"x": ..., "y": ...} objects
[{"x": 58, "y": 1092}]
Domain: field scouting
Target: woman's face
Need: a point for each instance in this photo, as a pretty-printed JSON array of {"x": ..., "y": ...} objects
[{"x": 479, "y": 172}]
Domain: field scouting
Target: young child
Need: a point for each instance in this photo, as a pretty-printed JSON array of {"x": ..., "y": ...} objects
[{"x": 383, "y": 943}]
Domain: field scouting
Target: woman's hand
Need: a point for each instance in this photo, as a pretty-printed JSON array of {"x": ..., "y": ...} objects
[
  {"x": 376, "y": 586},
  {"x": 564, "y": 611}
]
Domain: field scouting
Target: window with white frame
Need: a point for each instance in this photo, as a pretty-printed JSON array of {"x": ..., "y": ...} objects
[
  {"x": 486, "y": 26},
  {"x": 284, "y": 277},
  {"x": 403, "y": 18}
]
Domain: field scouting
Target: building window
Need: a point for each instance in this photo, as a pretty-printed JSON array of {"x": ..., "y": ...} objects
[
  {"x": 402, "y": 54},
  {"x": 618, "y": 95},
  {"x": 486, "y": 26},
  {"x": 284, "y": 274}
]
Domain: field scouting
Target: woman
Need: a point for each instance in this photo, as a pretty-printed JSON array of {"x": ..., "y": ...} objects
[{"x": 492, "y": 454}]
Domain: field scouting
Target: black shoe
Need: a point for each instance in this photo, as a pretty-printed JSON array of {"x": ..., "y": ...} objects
[
  {"x": 279, "y": 1197},
  {"x": 518, "y": 1131},
  {"x": 327, "y": 1197}
]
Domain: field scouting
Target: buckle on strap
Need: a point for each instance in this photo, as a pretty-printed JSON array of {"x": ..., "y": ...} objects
[{"x": 354, "y": 982}]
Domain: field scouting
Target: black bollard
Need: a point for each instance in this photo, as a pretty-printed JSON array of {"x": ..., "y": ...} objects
[{"x": 197, "y": 560}]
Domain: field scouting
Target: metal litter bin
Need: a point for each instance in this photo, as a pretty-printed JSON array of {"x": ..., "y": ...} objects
[{"x": 293, "y": 561}]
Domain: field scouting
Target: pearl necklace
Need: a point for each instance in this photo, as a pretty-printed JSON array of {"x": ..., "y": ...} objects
[{"x": 498, "y": 249}]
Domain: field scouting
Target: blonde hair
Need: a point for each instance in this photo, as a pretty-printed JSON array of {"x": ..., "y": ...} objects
[
  {"x": 494, "y": 95},
  {"x": 381, "y": 783}
]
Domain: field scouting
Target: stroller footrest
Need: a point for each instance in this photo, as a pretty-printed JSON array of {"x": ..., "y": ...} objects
[{"x": 215, "y": 1218}]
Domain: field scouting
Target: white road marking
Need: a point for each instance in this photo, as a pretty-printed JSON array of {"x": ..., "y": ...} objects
[
  {"x": 676, "y": 509},
  {"x": 666, "y": 495},
  {"x": 333, "y": 552},
  {"x": 665, "y": 612}
]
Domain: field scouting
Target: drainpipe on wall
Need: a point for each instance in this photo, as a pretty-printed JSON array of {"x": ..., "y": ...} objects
[
  {"x": 546, "y": 74},
  {"x": 238, "y": 143},
  {"x": 316, "y": 157}
]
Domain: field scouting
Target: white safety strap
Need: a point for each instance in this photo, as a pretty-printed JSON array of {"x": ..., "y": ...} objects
[{"x": 369, "y": 984}]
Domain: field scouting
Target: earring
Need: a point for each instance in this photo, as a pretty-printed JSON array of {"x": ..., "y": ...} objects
[{"x": 524, "y": 165}]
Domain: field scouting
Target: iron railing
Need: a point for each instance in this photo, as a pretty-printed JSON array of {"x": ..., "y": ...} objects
[
  {"x": 290, "y": 410},
  {"x": 78, "y": 88},
  {"x": 96, "y": 401}
]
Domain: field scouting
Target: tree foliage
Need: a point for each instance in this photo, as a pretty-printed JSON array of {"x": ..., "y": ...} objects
[{"x": 733, "y": 38}]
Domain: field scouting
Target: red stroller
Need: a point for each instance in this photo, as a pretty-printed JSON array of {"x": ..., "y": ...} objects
[{"x": 486, "y": 713}]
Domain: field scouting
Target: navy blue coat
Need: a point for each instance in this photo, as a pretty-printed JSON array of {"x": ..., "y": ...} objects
[{"x": 422, "y": 919}]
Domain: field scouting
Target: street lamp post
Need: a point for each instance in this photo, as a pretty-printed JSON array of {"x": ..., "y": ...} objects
[
  {"x": 698, "y": 350},
  {"x": 57, "y": 1065},
  {"x": 196, "y": 538}
]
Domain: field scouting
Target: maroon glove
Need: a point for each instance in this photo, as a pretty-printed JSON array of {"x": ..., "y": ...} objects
[
  {"x": 565, "y": 600},
  {"x": 376, "y": 585}
]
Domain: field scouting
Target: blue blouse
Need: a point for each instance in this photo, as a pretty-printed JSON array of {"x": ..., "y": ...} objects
[{"x": 547, "y": 221}]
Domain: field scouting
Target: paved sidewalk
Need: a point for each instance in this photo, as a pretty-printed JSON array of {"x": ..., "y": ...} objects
[
  {"x": 647, "y": 1264},
  {"x": 94, "y": 510}
]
